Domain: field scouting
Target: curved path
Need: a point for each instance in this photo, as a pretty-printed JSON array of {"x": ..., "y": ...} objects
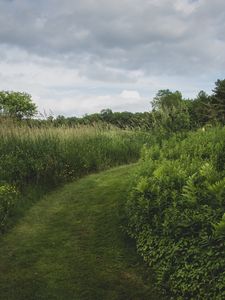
[{"x": 70, "y": 246}]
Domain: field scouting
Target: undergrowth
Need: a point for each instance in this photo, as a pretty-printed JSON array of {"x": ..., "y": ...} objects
[{"x": 176, "y": 214}]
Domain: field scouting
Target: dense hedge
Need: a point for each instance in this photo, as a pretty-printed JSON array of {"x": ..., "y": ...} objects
[{"x": 176, "y": 214}]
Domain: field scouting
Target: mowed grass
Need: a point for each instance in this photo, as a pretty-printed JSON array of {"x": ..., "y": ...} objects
[{"x": 70, "y": 246}]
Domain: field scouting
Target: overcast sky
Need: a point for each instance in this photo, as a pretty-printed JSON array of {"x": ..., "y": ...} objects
[{"x": 81, "y": 56}]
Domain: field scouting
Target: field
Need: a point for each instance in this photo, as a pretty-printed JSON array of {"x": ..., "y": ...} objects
[
  {"x": 43, "y": 158},
  {"x": 169, "y": 199}
]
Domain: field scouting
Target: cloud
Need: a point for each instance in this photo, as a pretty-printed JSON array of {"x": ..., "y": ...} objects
[
  {"x": 91, "y": 104},
  {"x": 130, "y": 95},
  {"x": 106, "y": 47}
]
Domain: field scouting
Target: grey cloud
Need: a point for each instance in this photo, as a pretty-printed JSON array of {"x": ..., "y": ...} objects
[{"x": 155, "y": 36}]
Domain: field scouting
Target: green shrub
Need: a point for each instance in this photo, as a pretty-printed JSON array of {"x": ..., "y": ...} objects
[
  {"x": 176, "y": 214},
  {"x": 8, "y": 196}
]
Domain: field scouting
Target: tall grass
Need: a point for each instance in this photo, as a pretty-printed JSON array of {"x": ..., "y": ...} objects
[
  {"x": 53, "y": 155},
  {"x": 50, "y": 156}
]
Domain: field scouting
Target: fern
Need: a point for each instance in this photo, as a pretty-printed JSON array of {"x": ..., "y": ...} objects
[
  {"x": 189, "y": 191},
  {"x": 184, "y": 223},
  {"x": 218, "y": 190},
  {"x": 220, "y": 228}
]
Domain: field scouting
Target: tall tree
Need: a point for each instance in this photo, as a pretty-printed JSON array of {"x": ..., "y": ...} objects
[
  {"x": 167, "y": 101},
  {"x": 218, "y": 100},
  {"x": 170, "y": 111},
  {"x": 17, "y": 105},
  {"x": 200, "y": 110}
]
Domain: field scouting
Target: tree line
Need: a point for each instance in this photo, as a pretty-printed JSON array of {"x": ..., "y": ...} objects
[{"x": 170, "y": 112}]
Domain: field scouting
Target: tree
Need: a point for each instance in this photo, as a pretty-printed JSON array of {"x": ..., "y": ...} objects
[
  {"x": 106, "y": 115},
  {"x": 17, "y": 105},
  {"x": 167, "y": 101},
  {"x": 218, "y": 100},
  {"x": 170, "y": 111},
  {"x": 200, "y": 110}
]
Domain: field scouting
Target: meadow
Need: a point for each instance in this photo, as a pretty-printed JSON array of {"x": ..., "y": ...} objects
[
  {"x": 45, "y": 157},
  {"x": 171, "y": 205}
]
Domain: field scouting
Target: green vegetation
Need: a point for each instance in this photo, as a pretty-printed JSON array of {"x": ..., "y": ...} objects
[
  {"x": 176, "y": 214},
  {"x": 53, "y": 155},
  {"x": 16, "y": 105},
  {"x": 170, "y": 112},
  {"x": 175, "y": 210},
  {"x": 70, "y": 246},
  {"x": 50, "y": 156},
  {"x": 8, "y": 195}
]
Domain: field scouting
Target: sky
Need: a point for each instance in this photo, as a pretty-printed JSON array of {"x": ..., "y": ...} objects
[{"x": 80, "y": 56}]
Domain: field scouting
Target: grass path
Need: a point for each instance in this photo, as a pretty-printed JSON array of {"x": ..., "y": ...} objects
[{"x": 70, "y": 246}]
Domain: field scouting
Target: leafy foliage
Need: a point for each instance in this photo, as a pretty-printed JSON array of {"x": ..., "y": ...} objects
[
  {"x": 218, "y": 101},
  {"x": 176, "y": 214},
  {"x": 49, "y": 156},
  {"x": 170, "y": 111},
  {"x": 16, "y": 104},
  {"x": 8, "y": 195}
]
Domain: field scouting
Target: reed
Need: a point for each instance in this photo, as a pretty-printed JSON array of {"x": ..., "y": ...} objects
[{"x": 52, "y": 155}]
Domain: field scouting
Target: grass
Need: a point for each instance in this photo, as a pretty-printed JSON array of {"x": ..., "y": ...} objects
[
  {"x": 70, "y": 246},
  {"x": 46, "y": 157},
  {"x": 54, "y": 155}
]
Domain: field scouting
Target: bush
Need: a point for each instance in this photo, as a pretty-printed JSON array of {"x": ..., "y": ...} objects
[
  {"x": 8, "y": 195},
  {"x": 176, "y": 214}
]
